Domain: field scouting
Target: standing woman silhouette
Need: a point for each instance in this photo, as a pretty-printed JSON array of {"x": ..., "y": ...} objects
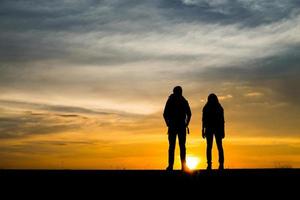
[{"x": 213, "y": 125}]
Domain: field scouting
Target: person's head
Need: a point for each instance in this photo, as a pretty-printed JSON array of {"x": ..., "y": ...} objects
[
  {"x": 177, "y": 91},
  {"x": 212, "y": 99}
]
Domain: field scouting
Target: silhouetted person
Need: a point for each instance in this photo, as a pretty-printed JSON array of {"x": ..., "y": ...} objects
[
  {"x": 213, "y": 125},
  {"x": 177, "y": 114}
]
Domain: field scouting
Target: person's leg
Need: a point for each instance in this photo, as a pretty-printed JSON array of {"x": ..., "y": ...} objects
[
  {"x": 220, "y": 150},
  {"x": 182, "y": 141},
  {"x": 209, "y": 144},
  {"x": 172, "y": 143}
]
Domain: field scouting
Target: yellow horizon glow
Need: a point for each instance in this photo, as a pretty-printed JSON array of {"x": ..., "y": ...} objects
[{"x": 47, "y": 152}]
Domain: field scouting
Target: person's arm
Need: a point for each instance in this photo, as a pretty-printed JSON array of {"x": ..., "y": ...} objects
[
  {"x": 166, "y": 113},
  {"x": 188, "y": 114},
  {"x": 203, "y": 123},
  {"x": 223, "y": 123}
]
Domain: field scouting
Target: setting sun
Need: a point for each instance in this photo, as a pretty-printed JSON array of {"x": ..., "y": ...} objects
[{"x": 192, "y": 162}]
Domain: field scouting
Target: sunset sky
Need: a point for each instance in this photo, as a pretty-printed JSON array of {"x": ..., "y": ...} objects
[{"x": 83, "y": 83}]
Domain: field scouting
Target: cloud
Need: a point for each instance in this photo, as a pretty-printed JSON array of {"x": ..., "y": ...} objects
[
  {"x": 101, "y": 64},
  {"x": 60, "y": 110},
  {"x": 58, "y": 30},
  {"x": 254, "y": 94},
  {"x": 224, "y": 97},
  {"x": 245, "y": 12},
  {"x": 66, "y": 142},
  {"x": 126, "y": 56},
  {"x": 275, "y": 74},
  {"x": 24, "y": 119},
  {"x": 24, "y": 125}
]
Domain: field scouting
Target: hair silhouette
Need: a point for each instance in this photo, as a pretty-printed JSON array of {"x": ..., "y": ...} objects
[
  {"x": 177, "y": 91},
  {"x": 212, "y": 99}
]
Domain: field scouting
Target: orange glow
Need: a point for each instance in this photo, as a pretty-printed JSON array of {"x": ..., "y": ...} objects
[
  {"x": 192, "y": 162},
  {"x": 109, "y": 142}
]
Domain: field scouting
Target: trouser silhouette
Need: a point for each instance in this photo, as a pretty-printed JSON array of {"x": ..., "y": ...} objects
[
  {"x": 173, "y": 133},
  {"x": 209, "y": 141}
]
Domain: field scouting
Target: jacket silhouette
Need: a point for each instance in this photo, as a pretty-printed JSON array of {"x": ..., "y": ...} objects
[
  {"x": 213, "y": 125},
  {"x": 177, "y": 115}
]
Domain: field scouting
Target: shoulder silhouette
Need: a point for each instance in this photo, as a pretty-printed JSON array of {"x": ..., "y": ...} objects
[{"x": 177, "y": 109}]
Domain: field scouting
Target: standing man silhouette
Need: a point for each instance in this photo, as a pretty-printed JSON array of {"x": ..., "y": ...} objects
[
  {"x": 177, "y": 115},
  {"x": 213, "y": 125}
]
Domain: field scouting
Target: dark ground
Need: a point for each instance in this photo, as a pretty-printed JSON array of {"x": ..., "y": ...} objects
[{"x": 241, "y": 183}]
